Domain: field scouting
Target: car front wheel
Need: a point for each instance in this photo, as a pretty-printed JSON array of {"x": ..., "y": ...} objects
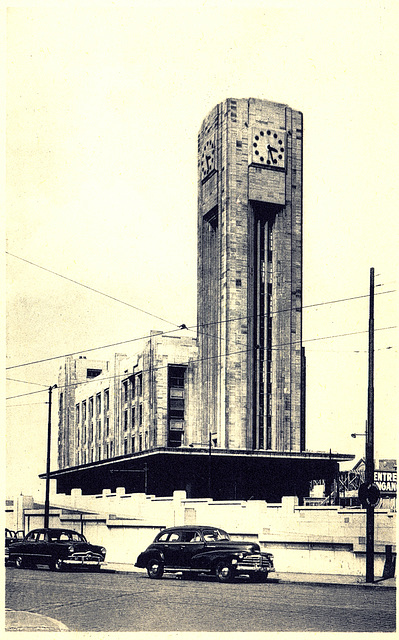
[
  {"x": 155, "y": 568},
  {"x": 19, "y": 562},
  {"x": 56, "y": 564},
  {"x": 225, "y": 571}
]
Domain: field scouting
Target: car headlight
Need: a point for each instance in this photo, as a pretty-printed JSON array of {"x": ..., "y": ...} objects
[
  {"x": 71, "y": 548},
  {"x": 234, "y": 561},
  {"x": 103, "y": 551}
]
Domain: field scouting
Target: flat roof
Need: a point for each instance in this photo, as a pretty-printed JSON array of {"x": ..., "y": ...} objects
[{"x": 204, "y": 451}]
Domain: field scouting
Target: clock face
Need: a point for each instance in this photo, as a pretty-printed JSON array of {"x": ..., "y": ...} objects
[
  {"x": 208, "y": 159},
  {"x": 268, "y": 148}
]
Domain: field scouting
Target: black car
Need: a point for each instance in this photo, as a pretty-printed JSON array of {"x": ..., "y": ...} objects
[
  {"x": 58, "y": 548},
  {"x": 202, "y": 549},
  {"x": 10, "y": 538}
]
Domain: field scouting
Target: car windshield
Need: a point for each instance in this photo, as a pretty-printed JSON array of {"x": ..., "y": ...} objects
[
  {"x": 215, "y": 535},
  {"x": 66, "y": 536}
]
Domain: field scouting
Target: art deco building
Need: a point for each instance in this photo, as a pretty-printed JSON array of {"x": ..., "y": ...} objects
[
  {"x": 222, "y": 415},
  {"x": 251, "y": 393}
]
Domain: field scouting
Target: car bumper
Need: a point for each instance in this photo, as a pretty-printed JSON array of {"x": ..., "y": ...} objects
[
  {"x": 253, "y": 568},
  {"x": 88, "y": 561}
]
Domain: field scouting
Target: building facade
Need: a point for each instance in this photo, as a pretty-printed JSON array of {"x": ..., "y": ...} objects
[
  {"x": 251, "y": 389},
  {"x": 222, "y": 415},
  {"x": 131, "y": 405}
]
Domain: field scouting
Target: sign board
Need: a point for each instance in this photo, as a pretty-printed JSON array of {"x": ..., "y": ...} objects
[{"x": 386, "y": 481}]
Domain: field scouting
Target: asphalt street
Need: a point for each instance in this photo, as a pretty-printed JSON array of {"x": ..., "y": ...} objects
[{"x": 116, "y": 602}]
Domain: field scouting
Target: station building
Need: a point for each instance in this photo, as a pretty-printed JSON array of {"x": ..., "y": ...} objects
[{"x": 223, "y": 414}]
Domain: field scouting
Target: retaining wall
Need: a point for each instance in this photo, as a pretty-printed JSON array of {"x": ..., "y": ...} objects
[{"x": 317, "y": 539}]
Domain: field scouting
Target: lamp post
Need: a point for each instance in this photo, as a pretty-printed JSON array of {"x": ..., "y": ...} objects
[{"x": 47, "y": 499}]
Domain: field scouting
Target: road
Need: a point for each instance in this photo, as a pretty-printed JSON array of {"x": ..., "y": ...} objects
[{"x": 112, "y": 602}]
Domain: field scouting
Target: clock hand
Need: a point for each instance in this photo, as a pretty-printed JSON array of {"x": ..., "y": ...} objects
[{"x": 207, "y": 158}]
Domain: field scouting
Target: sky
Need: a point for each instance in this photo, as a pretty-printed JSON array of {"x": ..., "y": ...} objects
[{"x": 104, "y": 102}]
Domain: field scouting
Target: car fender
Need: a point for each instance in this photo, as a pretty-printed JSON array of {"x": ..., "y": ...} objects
[{"x": 145, "y": 556}]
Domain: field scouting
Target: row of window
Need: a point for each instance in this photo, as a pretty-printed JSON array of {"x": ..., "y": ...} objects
[
  {"x": 132, "y": 415},
  {"x": 130, "y": 445},
  {"x": 132, "y": 387},
  {"x": 86, "y": 411}
]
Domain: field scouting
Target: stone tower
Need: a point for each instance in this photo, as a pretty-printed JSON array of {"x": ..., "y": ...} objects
[{"x": 250, "y": 277}]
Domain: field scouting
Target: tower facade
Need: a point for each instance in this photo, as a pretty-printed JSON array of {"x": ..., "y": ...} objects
[{"x": 250, "y": 276}]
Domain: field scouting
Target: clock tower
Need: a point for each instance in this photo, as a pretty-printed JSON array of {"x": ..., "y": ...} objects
[{"x": 251, "y": 364}]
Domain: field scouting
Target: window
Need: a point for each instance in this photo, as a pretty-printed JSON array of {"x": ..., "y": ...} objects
[
  {"x": 139, "y": 382},
  {"x": 84, "y": 410},
  {"x": 106, "y": 400},
  {"x": 99, "y": 453},
  {"x": 132, "y": 387},
  {"x": 77, "y": 414},
  {"x": 174, "y": 536},
  {"x": 98, "y": 404},
  {"x": 133, "y": 417},
  {"x": 140, "y": 415},
  {"x": 176, "y": 405},
  {"x": 90, "y": 407},
  {"x": 124, "y": 391},
  {"x": 190, "y": 536},
  {"x": 140, "y": 442},
  {"x": 163, "y": 537},
  {"x": 125, "y": 419},
  {"x": 133, "y": 444},
  {"x": 175, "y": 438},
  {"x": 93, "y": 373},
  {"x": 125, "y": 446},
  {"x": 107, "y": 425}
]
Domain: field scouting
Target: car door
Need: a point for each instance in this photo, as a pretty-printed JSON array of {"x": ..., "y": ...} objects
[
  {"x": 191, "y": 545},
  {"x": 172, "y": 549},
  {"x": 39, "y": 547}
]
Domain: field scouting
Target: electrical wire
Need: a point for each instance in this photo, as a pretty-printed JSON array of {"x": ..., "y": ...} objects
[
  {"x": 80, "y": 284},
  {"x": 196, "y": 361}
]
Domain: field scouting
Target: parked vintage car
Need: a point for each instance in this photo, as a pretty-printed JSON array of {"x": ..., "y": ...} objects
[
  {"x": 58, "y": 548},
  {"x": 10, "y": 538},
  {"x": 202, "y": 549}
]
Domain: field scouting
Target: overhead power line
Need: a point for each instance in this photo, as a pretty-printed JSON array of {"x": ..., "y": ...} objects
[
  {"x": 180, "y": 328},
  {"x": 231, "y": 353},
  {"x": 80, "y": 284}
]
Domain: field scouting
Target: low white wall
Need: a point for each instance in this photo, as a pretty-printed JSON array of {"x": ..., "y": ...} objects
[{"x": 302, "y": 539}]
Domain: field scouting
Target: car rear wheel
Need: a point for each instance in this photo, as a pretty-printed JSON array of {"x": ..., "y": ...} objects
[
  {"x": 155, "y": 568},
  {"x": 225, "y": 571},
  {"x": 56, "y": 564},
  {"x": 20, "y": 562}
]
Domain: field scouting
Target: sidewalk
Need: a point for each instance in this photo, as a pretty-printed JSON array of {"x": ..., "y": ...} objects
[
  {"x": 299, "y": 578},
  {"x": 26, "y": 621}
]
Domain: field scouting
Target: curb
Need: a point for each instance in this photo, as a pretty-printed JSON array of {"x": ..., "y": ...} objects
[
  {"x": 27, "y": 621},
  {"x": 380, "y": 583}
]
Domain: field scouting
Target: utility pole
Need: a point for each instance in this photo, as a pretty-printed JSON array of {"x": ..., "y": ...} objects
[
  {"x": 210, "y": 465},
  {"x": 47, "y": 500},
  {"x": 369, "y": 472}
]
